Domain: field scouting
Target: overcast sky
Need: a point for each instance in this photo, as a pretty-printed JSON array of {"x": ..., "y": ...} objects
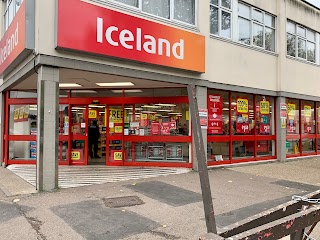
[{"x": 314, "y": 2}]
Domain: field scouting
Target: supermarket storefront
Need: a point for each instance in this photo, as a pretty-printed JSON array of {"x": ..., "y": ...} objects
[{"x": 134, "y": 129}]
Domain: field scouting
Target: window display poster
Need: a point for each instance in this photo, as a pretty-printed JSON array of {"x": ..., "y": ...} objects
[
  {"x": 165, "y": 128},
  {"x": 283, "y": 114},
  {"x": 291, "y": 119},
  {"x": 318, "y": 119},
  {"x": 307, "y": 119},
  {"x": 155, "y": 128},
  {"x": 242, "y": 117},
  {"x": 144, "y": 120},
  {"x": 203, "y": 114},
  {"x": 264, "y": 117},
  {"x": 215, "y": 103}
]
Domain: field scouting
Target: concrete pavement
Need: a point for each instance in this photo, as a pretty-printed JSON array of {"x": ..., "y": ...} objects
[{"x": 164, "y": 207}]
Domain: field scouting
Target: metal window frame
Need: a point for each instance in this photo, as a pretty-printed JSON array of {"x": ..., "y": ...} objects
[
  {"x": 252, "y": 21},
  {"x": 171, "y": 11},
  {"x": 220, "y": 10}
]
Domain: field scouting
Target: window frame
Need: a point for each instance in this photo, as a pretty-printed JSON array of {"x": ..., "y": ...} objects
[
  {"x": 256, "y": 22},
  {"x": 6, "y": 16},
  {"x": 221, "y": 9},
  {"x": 298, "y": 37},
  {"x": 171, "y": 11}
]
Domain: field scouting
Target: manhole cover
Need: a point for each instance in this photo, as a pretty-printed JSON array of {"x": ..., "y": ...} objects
[{"x": 122, "y": 201}]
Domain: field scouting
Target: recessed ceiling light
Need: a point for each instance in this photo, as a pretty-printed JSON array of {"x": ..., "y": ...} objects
[
  {"x": 115, "y": 84},
  {"x": 164, "y": 110},
  {"x": 174, "y": 113},
  {"x": 150, "y": 106},
  {"x": 83, "y": 91},
  {"x": 166, "y": 104},
  {"x": 127, "y": 91},
  {"x": 148, "y": 112},
  {"x": 96, "y": 106},
  {"x": 69, "y": 85}
]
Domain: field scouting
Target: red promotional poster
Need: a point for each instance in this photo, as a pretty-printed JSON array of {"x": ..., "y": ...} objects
[
  {"x": 307, "y": 119},
  {"x": 155, "y": 128},
  {"x": 291, "y": 119},
  {"x": 318, "y": 119},
  {"x": 215, "y": 103},
  {"x": 165, "y": 128},
  {"x": 173, "y": 125},
  {"x": 144, "y": 120},
  {"x": 242, "y": 118}
]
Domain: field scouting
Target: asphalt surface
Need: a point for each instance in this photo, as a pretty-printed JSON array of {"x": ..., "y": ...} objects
[{"x": 165, "y": 207}]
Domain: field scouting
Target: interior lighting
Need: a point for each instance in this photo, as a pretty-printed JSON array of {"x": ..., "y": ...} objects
[
  {"x": 165, "y": 110},
  {"x": 148, "y": 112},
  {"x": 69, "y": 85},
  {"x": 83, "y": 91},
  {"x": 166, "y": 104},
  {"x": 150, "y": 106},
  {"x": 115, "y": 84},
  {"x": 96, "y": 106},
  {"x": 175, "y": 113},
  {"x": 127, "y": 91}
]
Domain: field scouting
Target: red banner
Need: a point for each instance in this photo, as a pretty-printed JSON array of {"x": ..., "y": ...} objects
[
  {"x": 215, "y": 103},
  {"x": 86, "y": 27},
  {"x": 13, "y": 41}
]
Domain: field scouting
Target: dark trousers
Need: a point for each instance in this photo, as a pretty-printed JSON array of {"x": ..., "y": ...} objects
[{"x": 95, "y": 148}]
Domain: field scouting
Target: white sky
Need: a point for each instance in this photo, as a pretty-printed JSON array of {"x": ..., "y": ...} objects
[{"x": 314, "y": 2}]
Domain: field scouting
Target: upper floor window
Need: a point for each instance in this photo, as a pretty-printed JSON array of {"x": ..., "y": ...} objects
[
  {"x": 181, "y": 10},
  {"x": 256, "y": 27},
  {"x": 301, "y": 42},
  {"x": 221, "y": 17},
  {"x": 12, "y": 7}
]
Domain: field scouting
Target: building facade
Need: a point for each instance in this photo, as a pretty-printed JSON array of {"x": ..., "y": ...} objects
[{"x": 125, "y": 65}]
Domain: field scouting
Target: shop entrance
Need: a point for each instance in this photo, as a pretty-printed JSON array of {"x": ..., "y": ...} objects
[{"x": 115, "y": 128}]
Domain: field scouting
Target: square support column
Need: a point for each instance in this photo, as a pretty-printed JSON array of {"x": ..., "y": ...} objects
[
  {"x": 47, "y": 129},
  {"x": 281, "y": 132},
  {"x": 201, "y": 94},
  {"x": 2, "y": 118}
]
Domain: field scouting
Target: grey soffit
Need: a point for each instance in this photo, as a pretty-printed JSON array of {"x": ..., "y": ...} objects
[
  {"x": 166, "y": 193},
  {"x": 93, "y": 221}
]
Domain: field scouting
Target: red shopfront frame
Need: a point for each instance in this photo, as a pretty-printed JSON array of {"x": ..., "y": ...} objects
[
  {"x": 299, "y": 137},
  {"x": 230, "y": 138},
  {"x": 86, "y": 101}
]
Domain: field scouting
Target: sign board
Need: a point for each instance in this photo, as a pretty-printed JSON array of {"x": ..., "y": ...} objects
[
  {"x": 18, "y": 40},
  {"x": 203, "y": 114},
  {"x": 86, "y": 27},
  {"x": 92, "y": 113},
  {"x": 242, "y": 118},
  {"x": 283, "y": 115},
  {"x": 77, "y": 155},
  {"x": 215, "y": 104}
]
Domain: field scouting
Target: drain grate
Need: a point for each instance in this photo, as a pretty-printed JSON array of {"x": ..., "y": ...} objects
[{"x": 122, "y": 201}]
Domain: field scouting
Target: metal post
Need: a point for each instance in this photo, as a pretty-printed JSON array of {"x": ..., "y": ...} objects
[{"x": 201, "y": 158}]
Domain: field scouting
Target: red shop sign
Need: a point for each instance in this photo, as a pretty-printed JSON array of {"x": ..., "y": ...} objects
[{"x": 86, "y": 27}]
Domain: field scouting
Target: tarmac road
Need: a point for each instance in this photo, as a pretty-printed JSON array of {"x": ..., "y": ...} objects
[{"x": 167, "y": 207}]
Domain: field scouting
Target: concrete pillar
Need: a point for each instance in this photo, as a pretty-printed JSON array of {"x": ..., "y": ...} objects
[
  {"x": 281, "y": 132},
  {"x": 201, "y": 94},
  {"x": 47, "y": 135},
  {"x": 2, "y": 117}
]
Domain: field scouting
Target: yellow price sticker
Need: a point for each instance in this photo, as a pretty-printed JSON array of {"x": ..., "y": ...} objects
[
  {"x": 264, "y": 107},
  {"x": 242, "y": 105},
  {"x": 117, "y": 156},
  {"x": 92, "y": 114},
  {"x": 291, "y": 109},
  {"x": 307, "y": 111},
  {"x": 118, "y": 129},
  {"x": 16, "y": 114},
  {"x": 75, "y": 155}
]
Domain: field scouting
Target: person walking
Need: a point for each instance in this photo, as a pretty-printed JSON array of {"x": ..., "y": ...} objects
[{"x": 93, "y": 137}]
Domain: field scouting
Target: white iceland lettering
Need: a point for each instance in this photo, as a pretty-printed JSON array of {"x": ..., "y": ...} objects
[
  {"x": 9, "y": 45},
  {"x": 138, "y": 41}
]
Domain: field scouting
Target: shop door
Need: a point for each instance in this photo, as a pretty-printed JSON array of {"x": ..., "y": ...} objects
[
  {"x": 115, "y": 127},
  {"x": 79, "y": 135}
]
